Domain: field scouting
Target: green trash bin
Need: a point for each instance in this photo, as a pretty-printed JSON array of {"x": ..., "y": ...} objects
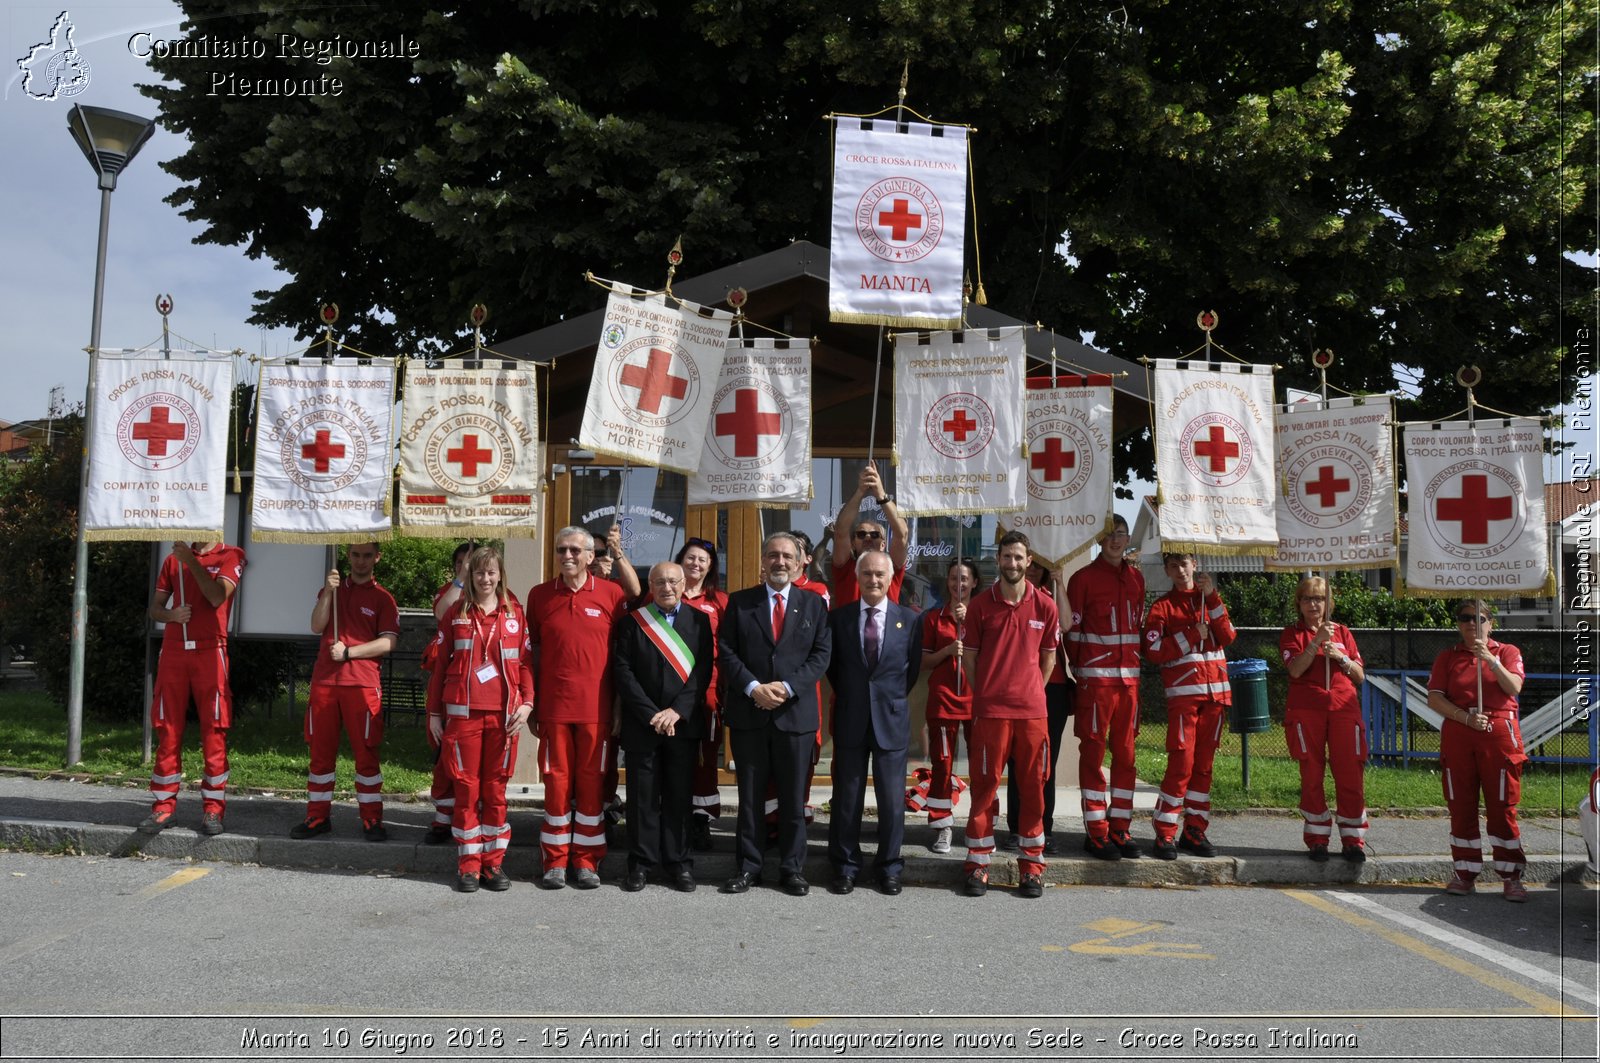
[{"x": 1248, "y": 714}]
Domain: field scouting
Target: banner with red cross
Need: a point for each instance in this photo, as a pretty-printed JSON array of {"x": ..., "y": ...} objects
[
  {"x": 324, "y": 451},
  {"x": 653, "y": 383},
  {"x": 758, "y": 440},
  {"x": 958, "y": 422},
  {"x": 1475, "y": 509},
  {"x": 470, "y": 460},
  {"x": 899, "y": 223},
  {"x": 1336, "y": 464},
  {"x": 158, "y": 448},
  {"x": 1214, "y": 458},
  {"x": 1068, "y": 465}
]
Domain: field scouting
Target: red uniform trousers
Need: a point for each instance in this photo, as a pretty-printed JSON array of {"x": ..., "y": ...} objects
[
  {"x": 1194, "y": 730},
  {"x": 481, "y": 759},
  {"x": 1491, "y": 761},
  {"x": 203, "y": 675},
  {"x": 706, "y": 797},
  {"x": 443, "y": 792},
  {"x": 1319, "y": 739},
  {"x": 359, "y": 711},
  {"x": 1106, "y": 717},
  {"x": 942, "y": 737},
  {"x": 573, "y": 757},
  {"x": 1026, "y": 743}
]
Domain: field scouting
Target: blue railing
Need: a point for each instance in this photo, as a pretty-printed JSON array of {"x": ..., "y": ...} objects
[{"x": 1390, "y": 726}]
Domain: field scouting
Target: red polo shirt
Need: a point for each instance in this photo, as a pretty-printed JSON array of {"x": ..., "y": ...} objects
[
  {"x": 572, "y": 631},
  {"x": 1009, "y": 638}
]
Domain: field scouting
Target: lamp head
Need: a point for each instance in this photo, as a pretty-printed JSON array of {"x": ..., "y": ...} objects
[{"x": 108, "y": 139}]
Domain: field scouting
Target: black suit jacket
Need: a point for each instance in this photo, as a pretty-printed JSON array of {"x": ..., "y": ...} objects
[
  {"x": 749, "y": 654},
  {"x": 646, "y": 683},
  {"x": 879, "y": 694}
]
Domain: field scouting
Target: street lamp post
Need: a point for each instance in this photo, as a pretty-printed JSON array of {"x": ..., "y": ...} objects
[{"x": 109, "y": 140}]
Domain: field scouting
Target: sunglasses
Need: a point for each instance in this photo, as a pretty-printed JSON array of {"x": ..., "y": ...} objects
[
  {"x": 569, "y": 549},
  {"x": 705, "y": 544},
  {"x": 869, "y": 535},
  {"x": 1472, "y": 618}
]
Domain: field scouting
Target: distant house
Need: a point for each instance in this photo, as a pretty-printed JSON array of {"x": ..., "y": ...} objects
[
  {"x": 17, "y": 437},
  {"x": 1571, "y": 509}
]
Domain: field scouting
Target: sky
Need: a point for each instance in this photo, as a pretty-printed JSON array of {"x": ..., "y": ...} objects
[{"x": 51, "y": 215}]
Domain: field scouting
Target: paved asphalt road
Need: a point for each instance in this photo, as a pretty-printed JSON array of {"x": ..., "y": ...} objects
[{"x": 154, "y": 958}]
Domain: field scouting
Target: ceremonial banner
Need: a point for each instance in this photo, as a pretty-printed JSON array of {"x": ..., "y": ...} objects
[
  {"x": 958, "y": 422},
  {"x": 653, "y": 374},
  {"x": 1069, "y": 466},
  {"x": 469, "y": 457},
  {"x": 1475, "y": 509},
  {"x": 1337, "y": 465},
  {"x": 899, "y": 223},
  {"x": 1213, "y": 432},
  {"x": 323, "y": 452},
  {"x": 758, "y": 440},
  {"x": 158, "y": 448}
]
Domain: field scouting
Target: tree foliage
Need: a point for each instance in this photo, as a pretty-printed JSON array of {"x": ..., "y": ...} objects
[
  {"x": 1267, "y": 600},
  {"x": 1398, "y": 180}
]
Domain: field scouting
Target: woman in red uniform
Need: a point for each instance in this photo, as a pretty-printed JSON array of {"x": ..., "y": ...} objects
[
  {"x": 1474, "y": 686},
  {"x": 698, "y": 559},
  {"x": 1323, "y": 721},
  {"x": 949, "y": 693},
  {"x": 479, "y": 699}
]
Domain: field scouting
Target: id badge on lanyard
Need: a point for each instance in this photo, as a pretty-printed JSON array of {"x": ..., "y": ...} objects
[{"x": 487, "y": 672}]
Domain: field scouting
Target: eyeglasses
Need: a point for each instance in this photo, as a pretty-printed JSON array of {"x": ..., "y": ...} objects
[
  {"x": 1313, "y": 598},
  {"x": 569, "y": 549},
  {"x": 869, "y": 535},
  {"x": 1472, "y": 618}
]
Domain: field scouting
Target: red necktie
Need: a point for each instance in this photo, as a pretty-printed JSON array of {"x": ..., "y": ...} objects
[
  {"x": 777, "y": 617},
  {"x": 872, "y": 637}
]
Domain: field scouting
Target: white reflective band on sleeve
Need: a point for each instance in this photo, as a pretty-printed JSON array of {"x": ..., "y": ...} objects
[
  {"x": 1106, "y": 673},
  {"x": 456, "y": 710},
  {"x": 463, "y": 644},
  {"x": 1216, "y": 614}
]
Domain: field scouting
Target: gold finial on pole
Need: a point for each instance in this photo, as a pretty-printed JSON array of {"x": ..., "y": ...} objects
[{"x": 674, "y": 259}]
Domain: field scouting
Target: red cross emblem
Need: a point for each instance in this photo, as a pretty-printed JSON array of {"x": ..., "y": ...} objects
[
  {"x": 1475, "y": 508},
  {"x": 1053, "y": 460},
  {"x": 321, "y": 450},
  {"x": 158, "y": 431},
  {"x": 960, "y": 425},
  {"x": 747, "y": 424},
  {"x": 469, "y": 455},
  {"x": 654, "y": 381},
  {"x": 1326, "y": 486},
  {"x": 900, "y": 219},
  {"x": 1217, "y": 447}
]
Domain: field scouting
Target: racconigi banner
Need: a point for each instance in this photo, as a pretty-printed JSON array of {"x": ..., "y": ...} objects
[
  {"x": 470, "y": 463},
  {"x": 655, "y": 374},
  {"x": 1336, "y": 463},
  {"x": 899, "y": 222},
  {"x": 1475, "y": 509},
  {"x": 758, "y": 438},
  {"x": 1214, "y": 457},
  {"x": 1068, "y": 466},
  {"x": 958, "y": 422},
  {"x": 324, "y": 452},
  {"x": 158, "y": 448}
]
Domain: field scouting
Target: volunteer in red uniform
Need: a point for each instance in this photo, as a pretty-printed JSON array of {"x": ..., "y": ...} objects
[
  {"x": 853, "y": 534},
  {"x": 1185, "y": 633},
  {"x": 443, "y": 791},
  {"x": 1058, "y": 690},
  {"x": 347, "y": 690},
  {"x": 949, "y": 710},
  {"x": 479, "y": 699},
  {"x": 698, "y": 559},
  {"x": 1323, "y": 723},
  {"x": 1106, "y": 598},
  {"x": 1474, "y": 686},
  {"x": 193, "y": 598},
  {"x": 1009, "y": 650},
  {"x": 570, "y": 620}
]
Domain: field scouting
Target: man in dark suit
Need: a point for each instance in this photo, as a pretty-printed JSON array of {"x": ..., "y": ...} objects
[
  {"x": 877, "y": 651},
  {"x": 661, "y": 659},
  {"x": 773, "y": 646}
]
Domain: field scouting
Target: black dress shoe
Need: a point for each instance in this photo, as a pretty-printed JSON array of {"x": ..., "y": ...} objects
[
  {"x": 683, "y": 881},
  {"x": 795, "y": 884},
  {"x": 635, "y": 881},
  {"x": 740, "y": 883},
  {"x": 467, "y": 882},
  {"x": 842, "y": 885},
  {"x": 495, "y": 880},
  {"x": 889, "y": 885}
]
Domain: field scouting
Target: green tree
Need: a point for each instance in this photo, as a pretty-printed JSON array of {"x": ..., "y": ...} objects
[{"x": 1399, "y": 180}]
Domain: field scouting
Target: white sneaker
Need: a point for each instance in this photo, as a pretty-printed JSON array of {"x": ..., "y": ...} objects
[{"x": 941, "y": 841}]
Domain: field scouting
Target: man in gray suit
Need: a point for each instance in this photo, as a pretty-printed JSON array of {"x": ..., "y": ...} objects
[{"x": 877, "y": 651}]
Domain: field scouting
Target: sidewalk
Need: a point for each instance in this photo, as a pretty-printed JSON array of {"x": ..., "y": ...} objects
[{"x": 1255, "y": 848}]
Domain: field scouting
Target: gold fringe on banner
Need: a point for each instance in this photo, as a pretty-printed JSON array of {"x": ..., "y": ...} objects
[
  {"x": 891, "y": 319},
  {"x": 469, "y": 531},
  {"x": 268, "y": 535},
  {"x": 1546, "y": 590},
  {"x": 1204, "y": 550},
  {"x": 152, "y": 535},
  {"x": 974, "y": 511}
]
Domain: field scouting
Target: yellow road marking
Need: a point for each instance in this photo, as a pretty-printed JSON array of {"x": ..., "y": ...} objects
[
  {"x": 1116, "y": 929},
  {"x": 173, "y": 881},
  {"x": 21, "y": 948},
  {"x": 1537, "y": 1001}
]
